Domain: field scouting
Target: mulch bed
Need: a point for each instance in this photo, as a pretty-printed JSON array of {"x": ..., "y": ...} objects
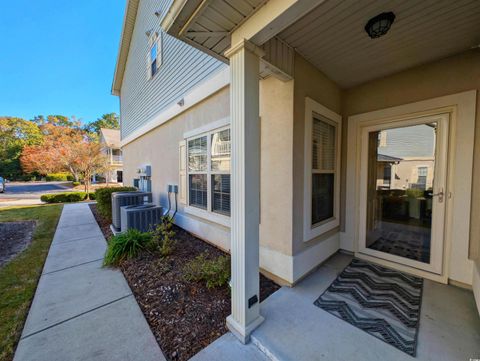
[
  {"x": 14, "y": 238},
  {"x": 184, "y": 316},
  {"x": 103, "y": 223}
]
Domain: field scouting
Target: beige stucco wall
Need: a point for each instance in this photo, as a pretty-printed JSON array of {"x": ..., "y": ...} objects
[
  {"x": 276, "y": 114},
  {"x": 448, "y": 76},
  {"x": 160, "y": 149},
  {"x": 309, "y": 82}
]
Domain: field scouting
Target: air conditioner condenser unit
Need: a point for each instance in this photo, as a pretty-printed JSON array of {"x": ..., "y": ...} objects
[{"x": 141, "y": 217}]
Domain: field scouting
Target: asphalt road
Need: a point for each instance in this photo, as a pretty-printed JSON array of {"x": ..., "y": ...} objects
[
  {"x": 25, "y": 193},
  {"x": 20, "y": 188}
]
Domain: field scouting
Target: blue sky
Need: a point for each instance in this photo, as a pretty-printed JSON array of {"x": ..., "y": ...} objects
[{"x": 58, "y": 57}]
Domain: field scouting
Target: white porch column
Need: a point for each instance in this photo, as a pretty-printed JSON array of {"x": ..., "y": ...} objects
[{"x": 245, "y": 188}]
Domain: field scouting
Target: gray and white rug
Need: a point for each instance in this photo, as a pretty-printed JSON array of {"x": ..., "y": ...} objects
[{"x": 383, "y": 302}]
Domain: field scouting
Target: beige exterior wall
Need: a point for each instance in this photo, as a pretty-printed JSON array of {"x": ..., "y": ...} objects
[
  {"x": 160, "y": 149},
  {"x": 309, "y": 82},
  {"x": 276, "y": 113}
]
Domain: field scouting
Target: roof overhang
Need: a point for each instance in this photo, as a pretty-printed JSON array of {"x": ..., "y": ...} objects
[
  {"x": 131, "y": 9},
  {"x": 208, "y": 24}
]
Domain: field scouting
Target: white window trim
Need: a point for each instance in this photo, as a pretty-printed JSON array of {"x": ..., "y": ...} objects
[
  {"x": 155, "y": 38},
  {"x": 309, "y": 232},
  {"x": 207, "y": 214}
]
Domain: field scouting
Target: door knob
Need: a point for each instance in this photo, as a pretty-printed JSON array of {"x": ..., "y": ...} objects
[{"x": 439, "y": 195}]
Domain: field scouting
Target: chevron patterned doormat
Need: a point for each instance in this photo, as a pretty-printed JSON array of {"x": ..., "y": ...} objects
[{"x": 383, "y": 302}]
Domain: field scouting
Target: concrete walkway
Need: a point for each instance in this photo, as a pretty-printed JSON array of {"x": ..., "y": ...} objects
[
  {"x": 82, "y": 311},
  {"x": 295, "y": 329}
]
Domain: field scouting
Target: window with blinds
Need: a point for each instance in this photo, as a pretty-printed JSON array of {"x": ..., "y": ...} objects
[
  {"x": 208, "y": 171},
  {"x": 323, "y": 170}
]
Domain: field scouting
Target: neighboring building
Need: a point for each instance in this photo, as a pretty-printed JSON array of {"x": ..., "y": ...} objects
[
  {"x": 261, "y": 112},
  {"x": 110, "y": 141}
]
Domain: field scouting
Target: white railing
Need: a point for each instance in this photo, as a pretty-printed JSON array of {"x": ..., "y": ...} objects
[
  {"x": 116, "y": 159},
  {"x": 221, "y": 148}
]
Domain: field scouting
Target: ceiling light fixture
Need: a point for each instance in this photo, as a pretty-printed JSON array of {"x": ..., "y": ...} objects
[{"x": 379, "y": 25}]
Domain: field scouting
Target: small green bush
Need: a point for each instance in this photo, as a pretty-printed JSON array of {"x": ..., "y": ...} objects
[
  {"x": 58, "y": 177},
  {"x": 126, "y": 245},
  {"x": 414, "y": 193},
  {"x": 67, "y": 197},
  {"x": 163, "y": 235},
  {"x": 215, "y": 272},
  {"x": 104, "y": 199},
  {"x": 75, "y": 184}
]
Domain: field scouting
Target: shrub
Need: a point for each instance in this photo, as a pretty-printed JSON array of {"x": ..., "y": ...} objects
[
  {"x": 162, "y": 236},
  {"x": 58, "y": 177},
  {"x": 67, "y": 197},
  {"x": 215, "y": 272},
  {"x": 104, "y": 199},
  {"x": 75, "y": 184},
  {"x": 126, "y": 245},
  {"x": 414, "y": 193}
]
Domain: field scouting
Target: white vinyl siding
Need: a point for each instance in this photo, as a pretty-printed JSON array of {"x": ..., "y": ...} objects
[{"x": 183, "y": 67}]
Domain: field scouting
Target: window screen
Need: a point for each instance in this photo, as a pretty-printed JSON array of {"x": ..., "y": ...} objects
[
  {"x": 221, "y": 193},
  {"x": 198, "y": 190},
  {"x": 323, "y": 170},
  {"x": 220, "y": 151},
  {"x": 209, "y": 171},
  {"x": 323, "y": 147},
  {"x": 197, "y": 154}
]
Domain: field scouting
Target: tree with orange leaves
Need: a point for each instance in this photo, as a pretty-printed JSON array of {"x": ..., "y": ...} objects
[{"x": 64, "y": 149}]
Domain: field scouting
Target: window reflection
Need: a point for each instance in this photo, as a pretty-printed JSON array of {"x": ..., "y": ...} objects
[{"x": 400, "y": 181}]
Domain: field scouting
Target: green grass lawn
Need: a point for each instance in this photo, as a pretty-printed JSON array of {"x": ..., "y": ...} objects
[{"x": 19, "y": 278}]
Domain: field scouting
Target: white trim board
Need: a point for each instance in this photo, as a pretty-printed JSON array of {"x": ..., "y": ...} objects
[
  {"x": 201, "y": 92},
  {"x": 207, "y": 128}
]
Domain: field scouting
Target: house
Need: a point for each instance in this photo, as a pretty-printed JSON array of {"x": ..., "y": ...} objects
[
  {"x": 269, "y": 117},
  {"x": 110, "y": 141}
]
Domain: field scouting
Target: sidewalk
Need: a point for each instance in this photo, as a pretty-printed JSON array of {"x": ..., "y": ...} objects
[{"x": 82, "y": 311}]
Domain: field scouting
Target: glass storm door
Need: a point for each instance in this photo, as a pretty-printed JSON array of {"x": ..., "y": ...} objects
[{"x": 403, "y": 182}]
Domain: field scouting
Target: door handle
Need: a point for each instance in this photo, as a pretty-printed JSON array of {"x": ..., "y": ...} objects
[{"x": 439, "y": 195}]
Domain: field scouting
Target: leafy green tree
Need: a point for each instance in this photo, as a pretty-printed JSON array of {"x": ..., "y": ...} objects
[
  {"x": 57, "y": 120},
  {"x": 109, "y": 121},
  {"x": 15, "y": 134}
]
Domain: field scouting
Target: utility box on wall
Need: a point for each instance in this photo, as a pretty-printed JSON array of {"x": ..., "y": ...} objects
[{"x": 144, "y": 180}]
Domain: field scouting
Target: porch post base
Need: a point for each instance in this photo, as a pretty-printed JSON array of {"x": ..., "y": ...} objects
[{"x": 241, "y": 332}]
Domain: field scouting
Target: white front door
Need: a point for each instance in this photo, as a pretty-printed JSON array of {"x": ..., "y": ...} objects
[{"x": 403, "y": 191}]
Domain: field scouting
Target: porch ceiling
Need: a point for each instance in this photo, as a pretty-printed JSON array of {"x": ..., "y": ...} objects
[{"x": 332, "y": 37}]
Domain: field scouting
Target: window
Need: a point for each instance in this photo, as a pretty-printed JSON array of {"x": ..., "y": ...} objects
[
  {"x": 208, "y": 159},
  {"x": 154, "y": 56},
  {"x": 323, "y": 170},
  {"x": 387, "y": 174},
  {"x": 422, "y": 175},
  {"x": 322, "y": 164}
]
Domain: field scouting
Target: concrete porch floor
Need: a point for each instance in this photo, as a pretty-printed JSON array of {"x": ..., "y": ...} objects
[{"x": 295, "y": 329}]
